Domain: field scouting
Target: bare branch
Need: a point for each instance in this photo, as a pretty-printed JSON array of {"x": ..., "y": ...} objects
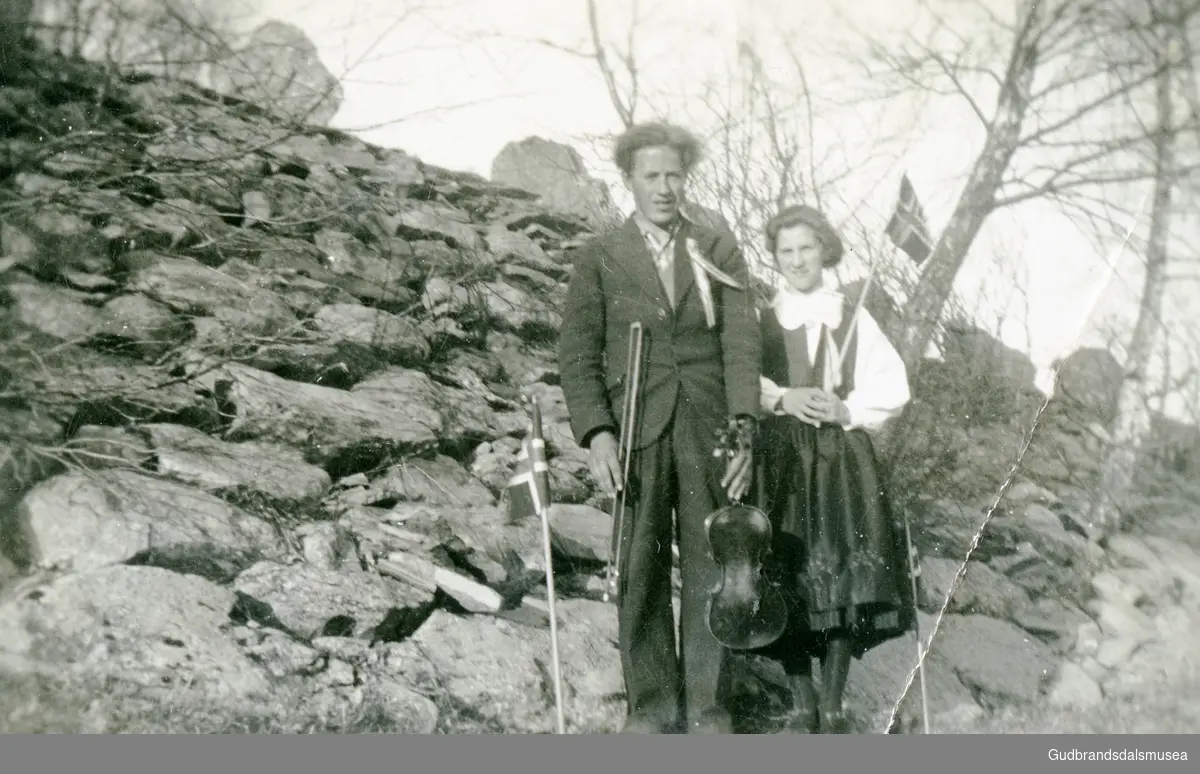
[
  {"x": 624, "y": 110},
  {"x": 1092, "y": 105}
]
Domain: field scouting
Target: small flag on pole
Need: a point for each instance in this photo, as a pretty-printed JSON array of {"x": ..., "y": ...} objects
[
  {"x": 529, "y": 487},
  {"x": 529, "y": 495},
  {"x": 914, "y": 559},
  {"x": 907, "y": 228}
]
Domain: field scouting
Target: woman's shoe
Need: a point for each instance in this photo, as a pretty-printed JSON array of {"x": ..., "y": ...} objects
[
  {"x": 639, "y": 724},
  {"x": 804, "y": 717}
]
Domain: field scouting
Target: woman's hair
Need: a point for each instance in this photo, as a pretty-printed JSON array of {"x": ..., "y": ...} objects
[
  {"x": 803, "y": 215},
  {"x": 652, "y": 135}
]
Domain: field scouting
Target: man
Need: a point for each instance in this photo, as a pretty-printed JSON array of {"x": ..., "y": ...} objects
[{"x": 687, "y": 284}]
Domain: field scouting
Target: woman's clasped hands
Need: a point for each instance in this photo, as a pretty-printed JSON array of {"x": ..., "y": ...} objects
[{"x": 815, "y": 406}]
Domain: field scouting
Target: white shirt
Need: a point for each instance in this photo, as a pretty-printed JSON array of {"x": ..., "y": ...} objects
[{"x": 881, "y": 388}]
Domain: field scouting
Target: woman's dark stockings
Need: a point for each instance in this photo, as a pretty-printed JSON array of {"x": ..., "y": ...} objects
[{"x": 835, "y": 668}]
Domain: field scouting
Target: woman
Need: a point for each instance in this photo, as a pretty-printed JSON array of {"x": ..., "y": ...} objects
[{"x": 827, "y": 381}]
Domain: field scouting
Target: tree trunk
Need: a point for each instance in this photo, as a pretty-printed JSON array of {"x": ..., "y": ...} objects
[
  {"x": 15, "y": 16},
  {"x": 1132, "y": 421},
  {"x": 976, "y": 201}
]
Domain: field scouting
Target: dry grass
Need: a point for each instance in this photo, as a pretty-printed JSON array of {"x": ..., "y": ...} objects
[
  {"x": 40, "y": 704},
  {"x": 45, "y": 705},
  {"x": 1166, "y": 707}
]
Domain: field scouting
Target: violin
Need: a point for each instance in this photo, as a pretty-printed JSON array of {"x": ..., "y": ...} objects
[{"x": 745, "y": 610}]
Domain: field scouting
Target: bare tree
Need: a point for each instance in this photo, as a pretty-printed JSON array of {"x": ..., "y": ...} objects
[
  {"x": 1071, "y": 66},
  {"x": 624, "y": 99},
  {"x": 1132, "y": 422},
  {"x": 758, "y": 126},
  {"x": 617, "y": 65},
  {"x": 15, "y": 16},
  {"x": 170, "y": 37}
]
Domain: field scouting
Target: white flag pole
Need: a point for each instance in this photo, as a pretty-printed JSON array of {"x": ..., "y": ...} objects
[{"x": 544, "y": 513}]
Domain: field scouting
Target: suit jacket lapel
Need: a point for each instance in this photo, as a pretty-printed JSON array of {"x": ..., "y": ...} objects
[{"x": 633, "y": 257}]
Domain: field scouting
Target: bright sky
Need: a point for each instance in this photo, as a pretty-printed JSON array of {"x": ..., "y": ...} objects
[{"x": 453, "y": 81}]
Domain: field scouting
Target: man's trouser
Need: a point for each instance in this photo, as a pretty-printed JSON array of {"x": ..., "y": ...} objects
[{"x": 678, "y": 472}]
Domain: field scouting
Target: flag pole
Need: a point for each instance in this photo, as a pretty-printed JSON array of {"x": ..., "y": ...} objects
[
  {"x": 543, "y": 511},
  {"x": 914, "y": 561},
  {"x": 913, "y": 566},
  {"x": 840, "y": 356}
]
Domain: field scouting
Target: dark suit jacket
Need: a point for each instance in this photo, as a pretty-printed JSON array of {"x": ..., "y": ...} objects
[
  {"x": 615, "y": 283},
  {"x": 707, "y": 217}
]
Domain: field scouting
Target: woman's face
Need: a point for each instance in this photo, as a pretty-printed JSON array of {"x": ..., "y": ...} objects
[{"x": 800, "y": 257}]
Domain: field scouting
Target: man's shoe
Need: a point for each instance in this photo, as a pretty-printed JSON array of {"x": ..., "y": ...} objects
[
  {"x": 711, "y": 722},
  {"x": 644, "y": 725},
  {"x": 803, "y": 721},
  {"x": 835, "y": 722}
]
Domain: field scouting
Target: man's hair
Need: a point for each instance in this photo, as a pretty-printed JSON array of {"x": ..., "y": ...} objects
[
  {"x": 803, "y": 215},
  {"x": 652, "y": 135}
]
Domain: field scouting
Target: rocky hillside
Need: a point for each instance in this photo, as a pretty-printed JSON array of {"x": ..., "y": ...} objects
[
  {"x": 261, "y": 390},
  {"x": 1049, "y": 609}
]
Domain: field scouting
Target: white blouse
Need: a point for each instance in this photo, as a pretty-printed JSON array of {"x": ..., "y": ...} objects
[{"x": 881, "y": 388}]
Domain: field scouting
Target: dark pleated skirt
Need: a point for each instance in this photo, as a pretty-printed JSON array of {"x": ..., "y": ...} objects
[{"x": 838, "y": 555}]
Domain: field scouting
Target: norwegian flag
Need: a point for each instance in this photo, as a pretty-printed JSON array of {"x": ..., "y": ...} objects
[
  {"x": 914, "y": 559},
  {"x": 907, "y": 228},
  {"x": 529, "y": 487}
]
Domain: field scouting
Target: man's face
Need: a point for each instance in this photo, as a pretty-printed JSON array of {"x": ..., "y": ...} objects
[{"x": 656, "y": 181}]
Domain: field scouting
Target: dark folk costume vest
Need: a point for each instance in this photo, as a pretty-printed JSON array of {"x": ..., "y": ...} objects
[{"x": 785, "y": 353}]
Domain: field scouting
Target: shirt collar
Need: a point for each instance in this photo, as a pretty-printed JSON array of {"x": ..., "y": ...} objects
[{"x": 654, "y": 233}]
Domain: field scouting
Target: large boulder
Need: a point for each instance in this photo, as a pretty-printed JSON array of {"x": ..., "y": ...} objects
[
  {"x": 327, "y": 423},
  {"x": 1087, "y": 387},
  {"x": 276, "y": 473},
  {"x": 280, "y": 68},
  {"x": 80, "y": 521},
  {"x": 995, "y": 659},
  {"x": 309, "y": 602},
  {"x": 503, "y": 671},
  {"x": 163, "y": 631},
  {"x": 879, "y": 682},
  {"x": 555, "y": 172}
]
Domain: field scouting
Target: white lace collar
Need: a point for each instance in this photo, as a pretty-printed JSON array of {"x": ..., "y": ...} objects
[{"x": 820, "y": 306}]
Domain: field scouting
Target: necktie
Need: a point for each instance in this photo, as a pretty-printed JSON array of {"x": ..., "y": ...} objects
[
  {"x": 664, "y": 260},
  {"x": 666, "y": 270}
]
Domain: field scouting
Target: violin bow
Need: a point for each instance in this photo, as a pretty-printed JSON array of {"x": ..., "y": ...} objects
[{"x": 633, "y": 373}]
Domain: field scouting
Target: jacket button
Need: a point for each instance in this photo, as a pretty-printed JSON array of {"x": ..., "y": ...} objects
[{"x": 662, "y": 314}]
